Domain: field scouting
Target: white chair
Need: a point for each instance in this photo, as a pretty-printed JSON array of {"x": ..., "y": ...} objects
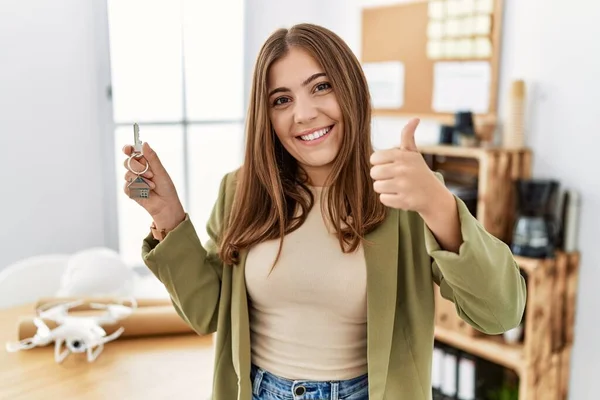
[{"x": 27, "y": 280}]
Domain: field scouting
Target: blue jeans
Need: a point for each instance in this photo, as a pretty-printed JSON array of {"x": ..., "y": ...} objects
[{"x": 266, "y": 386}]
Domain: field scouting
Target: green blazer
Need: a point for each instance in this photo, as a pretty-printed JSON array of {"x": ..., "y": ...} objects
[{"x": 404, "y": 261}]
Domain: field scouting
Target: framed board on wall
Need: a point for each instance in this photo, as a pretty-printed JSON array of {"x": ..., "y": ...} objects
[{"x": 432, "y": 58}]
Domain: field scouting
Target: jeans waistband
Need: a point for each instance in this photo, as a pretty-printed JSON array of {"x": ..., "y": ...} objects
[{"x": 304, "y": 389}]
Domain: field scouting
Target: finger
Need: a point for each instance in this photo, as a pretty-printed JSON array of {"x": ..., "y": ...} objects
[
  {"x": 387, "y": 186},
  {"x": 152, "y": 158},
  {"x": 407, "y": 141},
  {"x": 385, "y": 156},
  {"x": 137, "y": 168},
  {"x": 127, "y": 149},
  {"x": 385, "y": 171},
  {"x": 389, "y": 200}
]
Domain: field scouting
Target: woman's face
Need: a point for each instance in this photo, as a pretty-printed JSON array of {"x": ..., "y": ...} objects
[{"x": 305, "y": 113}]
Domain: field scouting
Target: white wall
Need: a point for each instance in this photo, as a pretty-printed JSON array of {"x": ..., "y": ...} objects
[
  {"x": 561, "y": 64},
  {"x": 54, "y": 122}
]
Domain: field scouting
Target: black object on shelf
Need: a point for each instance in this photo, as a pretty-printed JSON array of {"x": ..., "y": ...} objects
[
  {"x": 463, "y": 121},
  {"x": 535, "y": 231},
  {"x": 446, "y": 134},
  {"x": 464, "y": 129}
]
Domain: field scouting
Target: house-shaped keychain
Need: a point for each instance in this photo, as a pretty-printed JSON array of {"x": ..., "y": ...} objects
[{"x": 139, "y": 189}]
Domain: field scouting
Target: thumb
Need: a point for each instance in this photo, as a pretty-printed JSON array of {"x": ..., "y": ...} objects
[
  {"x": 408, "y": 135},
  {"x": 152, "y": 158}
]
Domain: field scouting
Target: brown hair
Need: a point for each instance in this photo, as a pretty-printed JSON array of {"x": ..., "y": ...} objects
[{"x": 271, "y": 184}]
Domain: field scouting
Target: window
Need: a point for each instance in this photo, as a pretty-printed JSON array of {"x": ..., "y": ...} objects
[{"x": 177, "y": 70}]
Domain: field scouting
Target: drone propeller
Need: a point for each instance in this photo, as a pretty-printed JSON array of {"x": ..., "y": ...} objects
[
  {"x": 43, "y": 329},
  {"x": 42, "y": 337},
  {"x": 113, "y": 335},
  {"x": 24, "y": 344},
  {"x": 57, "y": 311},
  {"x": 115, "y": 311}
]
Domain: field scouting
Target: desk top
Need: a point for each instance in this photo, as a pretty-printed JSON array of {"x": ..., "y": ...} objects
[{"x": 169, "y": 367}]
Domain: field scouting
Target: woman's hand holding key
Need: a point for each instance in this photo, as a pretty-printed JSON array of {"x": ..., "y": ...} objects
[{"x": 163, "y": 203}]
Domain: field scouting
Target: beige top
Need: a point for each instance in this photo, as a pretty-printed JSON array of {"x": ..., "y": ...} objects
[{"x": 308, "y": 317}]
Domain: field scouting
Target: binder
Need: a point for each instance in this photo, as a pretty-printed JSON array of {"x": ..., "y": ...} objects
[
  {"x": 466, "y": 377},
  {"x": 450, "y": 374},
  {"x": 457, "y": 375},
  {"x": 437, "y": 370}
]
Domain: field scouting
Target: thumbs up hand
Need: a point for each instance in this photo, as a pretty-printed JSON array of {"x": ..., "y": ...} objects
[{"x": 403, "y": 178}]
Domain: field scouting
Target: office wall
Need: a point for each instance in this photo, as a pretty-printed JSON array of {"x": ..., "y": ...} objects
[
  {"x": 53, "y": 128},
  {"x": 562, "y": 69}
]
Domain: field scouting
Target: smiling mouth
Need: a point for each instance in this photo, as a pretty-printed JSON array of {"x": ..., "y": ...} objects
[{"x": 315, "y": 135}]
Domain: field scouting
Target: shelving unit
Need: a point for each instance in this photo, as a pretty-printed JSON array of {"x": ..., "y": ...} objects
[
  {"x": 542, "y": 358},
  {"x": 496, "y": 169}
]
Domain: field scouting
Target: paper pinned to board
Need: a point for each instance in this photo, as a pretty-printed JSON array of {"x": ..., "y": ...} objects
[
  {"x": 461, "y": 86},
  {"x": 452, "y": 27},
  {"x": 435, "y": 49},
  {"x": 483, "y": 47},
  {"x": 386, "y": 83},
  {"x": 437, "y": 9},
  {"x": 453, "y": 9},
  {"x": 484, "y": 6},
  {"x": 482, "y": 25},
  {"x": 435, "y": 30}
]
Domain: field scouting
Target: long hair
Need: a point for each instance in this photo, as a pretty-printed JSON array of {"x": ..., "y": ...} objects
[{"x": 271, "y": 185}]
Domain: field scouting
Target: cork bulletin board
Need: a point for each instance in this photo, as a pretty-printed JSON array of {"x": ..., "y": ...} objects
[{"x": 435, "y": 44}]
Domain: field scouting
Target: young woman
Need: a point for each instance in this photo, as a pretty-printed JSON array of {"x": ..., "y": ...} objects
[{"x": 318, "y": 277}]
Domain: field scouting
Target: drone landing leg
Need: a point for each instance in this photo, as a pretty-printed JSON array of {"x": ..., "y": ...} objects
[
  {"x": 92, "y": 354},
  {"x": 58, "y": 356}
]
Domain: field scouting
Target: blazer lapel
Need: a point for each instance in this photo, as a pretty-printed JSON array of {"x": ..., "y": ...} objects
[
  {"x": 240, "y": 324},
  {"x": 381, "y": 257}
]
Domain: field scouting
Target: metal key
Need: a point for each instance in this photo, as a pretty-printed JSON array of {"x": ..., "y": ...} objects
[
  {"x": 138, "y": 188},
  {"x": 137, "y": 143}
]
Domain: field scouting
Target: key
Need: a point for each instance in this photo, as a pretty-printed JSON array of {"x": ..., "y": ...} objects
[
  {"x": 137, "y": 143},
  {"x": 138, "y": 188}
]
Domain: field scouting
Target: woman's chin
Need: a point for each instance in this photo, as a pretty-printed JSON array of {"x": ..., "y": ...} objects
[{"x": 324, "y": 163}]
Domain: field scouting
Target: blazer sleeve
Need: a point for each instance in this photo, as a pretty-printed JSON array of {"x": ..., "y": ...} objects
[
  {"x": 190, "y": 271},
  {"x": 482, "y": 279}
]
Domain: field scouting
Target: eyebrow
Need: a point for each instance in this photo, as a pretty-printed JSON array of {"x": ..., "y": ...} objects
[{"x": 306, "y": 82}]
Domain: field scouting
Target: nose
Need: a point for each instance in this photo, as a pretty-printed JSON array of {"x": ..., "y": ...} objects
[{"x": 304, "y": 111}]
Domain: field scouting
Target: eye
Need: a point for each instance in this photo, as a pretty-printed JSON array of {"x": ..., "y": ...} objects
[
  {"x": 280, "y": 101},
  {"x": 322, "y": 86}
]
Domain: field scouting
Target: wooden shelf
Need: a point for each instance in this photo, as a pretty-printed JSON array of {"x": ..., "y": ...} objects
[
  {"x": 529, "y": 265},
  {"x": 491, "y": 348},
  {"x": 466, "y": 152}
]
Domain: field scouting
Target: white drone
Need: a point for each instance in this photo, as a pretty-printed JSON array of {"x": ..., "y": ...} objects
[{"x": 80, "y": 334}]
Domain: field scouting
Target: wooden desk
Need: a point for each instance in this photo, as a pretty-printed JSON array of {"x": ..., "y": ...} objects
[{"x": 170, "y": 367}]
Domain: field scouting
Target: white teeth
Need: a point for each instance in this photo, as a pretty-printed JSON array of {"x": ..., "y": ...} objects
[{"x": 315, "y": 135}]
